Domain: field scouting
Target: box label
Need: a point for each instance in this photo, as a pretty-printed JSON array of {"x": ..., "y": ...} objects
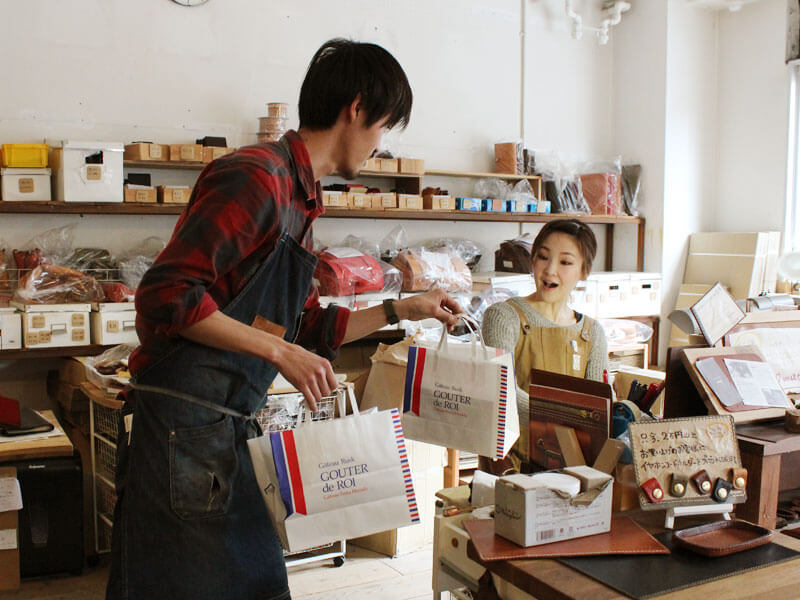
[
  {"x": 45, "y": 337},
  {"x": 141, "y": 195},
  {"x": 155, "y": 150},
  {"x": 8, "y": 539},
  {"x": 77, "y": 335},
  {"x": 37, "y": 321},
  {"x": 94, "y": 173},
  {"x": 78, "y": 320},
  {"x": 26, "y": 185},
  {"x": 177, "y": 195},
  {"x": 31, "y": 338},
  {"x": 112, "y": 327},
  {"x": 187, "y": 152}
]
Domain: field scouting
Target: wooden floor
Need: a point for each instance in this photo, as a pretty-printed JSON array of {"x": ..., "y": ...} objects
[{"x": 364, "y": 575}]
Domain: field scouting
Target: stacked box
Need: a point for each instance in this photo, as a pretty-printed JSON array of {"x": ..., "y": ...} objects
[
  {"x": 10, "y": 329},
  {"x": 25, "y": 185},
  {"x": 146, "y": 151},
  {"x": 54, "y": 325},
  {"x": 114, "y": 323},
  {"x": 88, "y": 172}
]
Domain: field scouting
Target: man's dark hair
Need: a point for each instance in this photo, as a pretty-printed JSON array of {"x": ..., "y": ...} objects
[
  {"x": 341, "y": 70},
  {"x": 579, "y": 231}
]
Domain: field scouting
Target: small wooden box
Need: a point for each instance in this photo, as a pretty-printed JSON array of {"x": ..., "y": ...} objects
[
  {"x": 186, "y": 152},
  {"x": 214, "y": 152},
  {"x": 146, "y": 151},
  {"x": 412, "y": 165},
  {"x": 389, "y": 165},
  {"x": 139, "y": 193},
  {"x": 409, "y": 201},
  {"x": 174, "y": 194}
]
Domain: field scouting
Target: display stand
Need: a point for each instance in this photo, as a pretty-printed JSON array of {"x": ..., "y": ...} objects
[{"x": 706, "y": 509}]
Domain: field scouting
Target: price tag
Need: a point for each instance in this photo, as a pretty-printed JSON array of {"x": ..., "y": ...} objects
[
  {"x": 94, "y": 172},
  {"x": 37, "y": 321},
  {"x": 187, "y": 152},
  {"x": 112, "y": 326},
  {"x": 142, "y": 196},
  {"x": 45, "y": 337},
  {"x": 78, "y": 320},
  {"x": 77, "y": 335},
  {"x": 155, "y": 150},
  {"x": 31, "y": 338},
  {"x": 26, "y": 185},
  {"x": 177, "y": 195}
]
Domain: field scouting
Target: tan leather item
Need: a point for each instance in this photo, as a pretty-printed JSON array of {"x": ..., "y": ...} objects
[
  {"x": 420, "y": 275},
  {"x": 625, "y": 537},
  {"x": 722, "y": 537}
]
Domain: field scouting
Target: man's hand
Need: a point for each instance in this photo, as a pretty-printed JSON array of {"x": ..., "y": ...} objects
[
  {"x": 434, "y": 304},
  {"x": 311, "y": 374}
]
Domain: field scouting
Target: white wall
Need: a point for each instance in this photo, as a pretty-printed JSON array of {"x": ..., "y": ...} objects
[{"x": 753, "y": 118}]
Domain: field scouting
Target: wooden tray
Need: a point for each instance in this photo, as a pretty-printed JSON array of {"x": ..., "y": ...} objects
[{"x": 722, "y": 537}]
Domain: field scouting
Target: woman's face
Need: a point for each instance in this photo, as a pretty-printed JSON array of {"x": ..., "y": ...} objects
[{"x": 557, "y": 267}]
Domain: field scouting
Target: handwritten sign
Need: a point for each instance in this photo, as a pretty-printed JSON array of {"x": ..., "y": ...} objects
[{"x": 682, "y": 448}]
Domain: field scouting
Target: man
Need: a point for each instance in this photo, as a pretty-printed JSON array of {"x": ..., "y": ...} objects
[{"x": 227, "y": 305}]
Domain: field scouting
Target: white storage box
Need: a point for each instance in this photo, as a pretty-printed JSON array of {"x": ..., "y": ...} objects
[
  {"x": 10, "y": 329},
  {"x": 529, "y": 513},
  {"x": 98, "y": 180},
  {"x": 54, "y": 325},
  {"x": 645, "y": 294},
  {"x": 114, "y": 323},
  {"x": 31, "y": 185},
  {"x": 583, "y": 298},
  {"x": 613, "y": 291},
  {"x": 520, "y": 284}
]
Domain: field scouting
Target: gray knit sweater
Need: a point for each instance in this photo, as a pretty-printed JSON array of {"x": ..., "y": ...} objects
[{"x": 501, "y": 330}]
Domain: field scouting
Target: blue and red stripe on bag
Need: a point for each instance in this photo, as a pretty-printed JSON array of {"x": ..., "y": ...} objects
[
  {"x": 416, "y": 366},
  {"x": 290, "y": 484},
  {"x": 501, "y": 412},
  {"x": 401, "y": 448}
]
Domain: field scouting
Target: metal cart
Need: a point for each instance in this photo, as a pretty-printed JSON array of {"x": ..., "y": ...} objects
[{"x": 282, "y": 412}]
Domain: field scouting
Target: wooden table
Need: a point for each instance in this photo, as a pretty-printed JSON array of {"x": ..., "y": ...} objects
[
  {"x": 771, "y": 456},
  {"x": 58, "y": 445},
  {"x": 548, "y": 579}
]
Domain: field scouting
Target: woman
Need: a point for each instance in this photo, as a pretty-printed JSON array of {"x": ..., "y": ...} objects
[{"x": 541, "y": 330}]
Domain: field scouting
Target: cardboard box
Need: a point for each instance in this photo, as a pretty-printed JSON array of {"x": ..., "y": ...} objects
[
  {"x": 174, "y": 194},
  {"x": 494, "y": 205},
  {"x": 530, "y": 514},
  {"x": 359, "y": 200},
  {"x": 517, "y": 206},
  {"x": 54, "y": 325},
  {"x": 146, "y": 151},
  {"x": 372, "y": 164},
  {"x": 213, "y": 152},
  {"x": 114, "y": 323},
  {"x": 186, "y": 152},
  {"x": 473, "y": 204},
  {"x": 332, "y": 198},
  {"x": 10, "y": 329},
  {"x": 688, "y": 294},
  {"x": 412, "y": 165},
  {"x": 389, "y": 165},
  {"x": 140, "y": 193},
  {"x": 26, "y": 185},
  {"x": 9, "y": 536},
  {"x": 388, "y": 200},
  {"x": 438, "y": 202},
  {"x": 771, "y": 266},
  {"x": 737, "y": 260},
  {"x": 409, "y": 201},
  {"x": 87, "y": 172},
  {"x": 542, "y": 206}
]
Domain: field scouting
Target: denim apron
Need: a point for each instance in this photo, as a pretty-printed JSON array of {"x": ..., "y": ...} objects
[{"x": 190, "y": 521}]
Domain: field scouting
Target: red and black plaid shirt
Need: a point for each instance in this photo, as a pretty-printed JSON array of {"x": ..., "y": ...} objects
[{"x": 240, "y": 205}]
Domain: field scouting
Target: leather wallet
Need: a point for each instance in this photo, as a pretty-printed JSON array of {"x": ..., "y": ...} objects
[{"x": 581, "y": 404}]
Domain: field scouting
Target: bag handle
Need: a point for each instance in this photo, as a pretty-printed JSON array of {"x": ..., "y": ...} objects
[
  {"x": 303, "y": 421},
  {"x": 474, "y": 329}
]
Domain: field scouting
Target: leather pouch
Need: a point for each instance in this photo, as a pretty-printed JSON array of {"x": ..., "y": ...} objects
[{"x": 575, "y": 402}]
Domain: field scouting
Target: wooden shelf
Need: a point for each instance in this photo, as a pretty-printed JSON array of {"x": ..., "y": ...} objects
[
  {"x": 466, "y": 215},
  {"x": 384, "y": 174},
  {"x": 91, "y": 208},
  {"x": 164, "y": 164},
  {"x": 91, "y": 350},
  {"x": 478, "y": 175}
]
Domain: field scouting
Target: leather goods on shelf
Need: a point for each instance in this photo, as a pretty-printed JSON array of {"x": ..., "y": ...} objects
[
  {"x": 721, "y": 538},
  {"x": 345, "y": 271},
  {"x": 423, "y": 270},
  {"x": 514, "y": 256},
  {"x": 602, "y": 192},
  {"x": 575, "y": 402},
  {"x": 626, "y": 537}
]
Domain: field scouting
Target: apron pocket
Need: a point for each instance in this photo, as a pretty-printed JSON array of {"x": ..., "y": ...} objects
[{"x": 202, "y": 465}]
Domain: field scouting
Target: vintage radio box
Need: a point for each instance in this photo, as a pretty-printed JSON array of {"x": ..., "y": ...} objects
[
  {"x": 88, "y": 172},
  {"x": 26, "y": 185}
]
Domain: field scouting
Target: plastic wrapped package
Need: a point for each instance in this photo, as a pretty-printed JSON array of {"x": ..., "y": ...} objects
[
  {"x": 134, "y": 263},
  {"x": 601, "y": 186},
  {"x": 423, "y": 270},
  {"x": 467, "y": 250},
  {"x": 362, "y": 244},
  {"x": 392, "y": 277},
  {"x": 476, "y": 303},
  {"x": 625, "y": 331},
  {"x": 109, "y": 370},
  {"x": 631, "y": 182},
  {"x": 55, "y": 245},
  {"x": 346, "y": 271},
  {"x": 116, "y": 291},
  {"x": 393, "y": 243},
  {"x": 51, "y": 284},
  {"x": 96, "y": 262},
  {"x": 514, "y": 256},
  {"x": 492, "y": 188},
  {"x": 561, "y": 183}
]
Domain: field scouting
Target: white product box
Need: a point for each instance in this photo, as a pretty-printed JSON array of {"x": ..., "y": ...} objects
[
  {"x": 645, "y": 294},
  {"x": 613, "y": 291},
  {"x": 520, "y": 284},
  {"x": 54, "y": 325},
  {"x": 114, "y": 323},
  {"x": 529, "y": 514},
  {"x": 26, "y": 185},
  {"x": 10, "y": 329},
  {"x": 98, "y": 180},
  {"x": 583, "y": 298}
]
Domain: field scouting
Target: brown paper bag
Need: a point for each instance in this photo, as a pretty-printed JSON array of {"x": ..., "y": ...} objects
[{"x": 387, "y": 376}]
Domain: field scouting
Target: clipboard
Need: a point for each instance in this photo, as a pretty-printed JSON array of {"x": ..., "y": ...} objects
[{"x": 713, "y": 402}]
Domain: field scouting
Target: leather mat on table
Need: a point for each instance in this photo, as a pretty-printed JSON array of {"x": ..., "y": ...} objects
[{"x": 675, "y": 571}]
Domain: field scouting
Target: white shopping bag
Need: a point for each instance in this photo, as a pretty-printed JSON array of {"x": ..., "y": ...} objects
[
  {"x": 332, "y": 480},
  {"x": 461, "y": 396}
]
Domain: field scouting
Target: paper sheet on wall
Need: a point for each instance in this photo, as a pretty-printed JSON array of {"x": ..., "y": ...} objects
[
  {"x": 756, "y": 383},
  {"x": 781, "y": 349},
  {"x": 10, "y": 494}
]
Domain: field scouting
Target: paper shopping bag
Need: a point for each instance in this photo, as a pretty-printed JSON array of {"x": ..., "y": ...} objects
[
  {"x": 333, "y": 480},
  {"x": 461, "y": 396}
]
